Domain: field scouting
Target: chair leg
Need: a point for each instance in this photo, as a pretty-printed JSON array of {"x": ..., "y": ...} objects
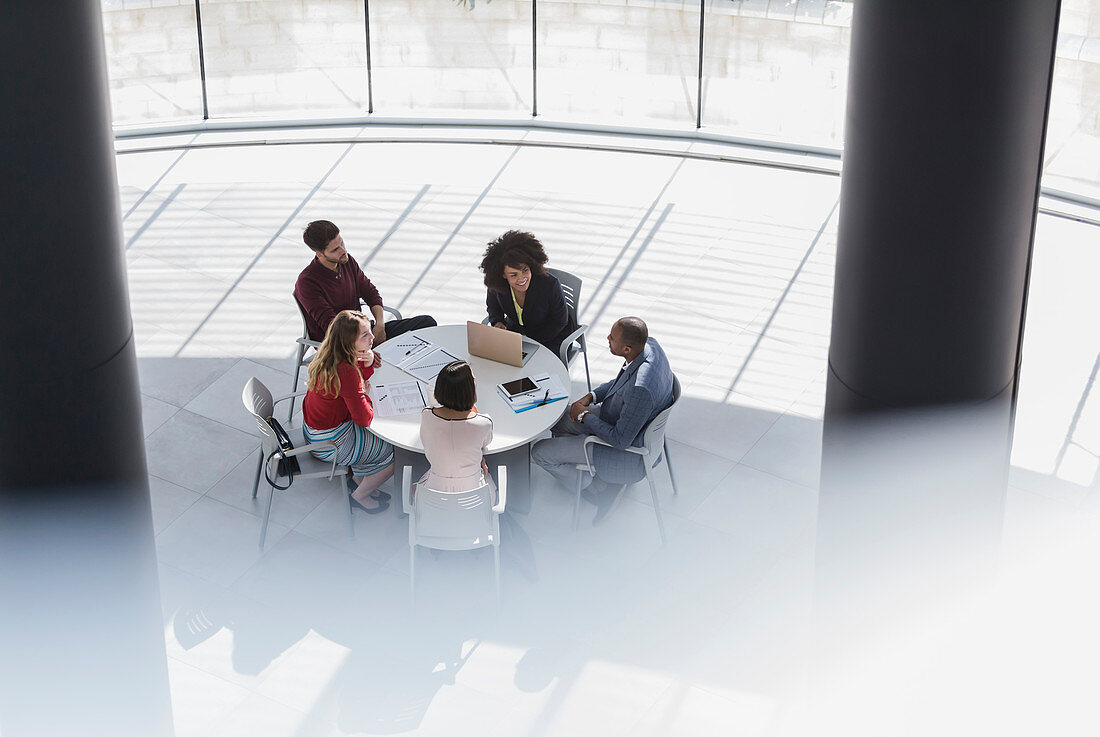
[
  {"x": 267, "y": 516},
  {"x": 294, "y": 383},
  {"x": 351, "y": 515},
  {"x": 668, "y": 465},
  {"x": 577, "y": 501},
  {"x": 259, "y": 467},
  {"x": 399, "y": 478},
  {"x": 656, "y": 505},
  {"x": 587, "y": 378},
  {"x": 496, "y": 570}
]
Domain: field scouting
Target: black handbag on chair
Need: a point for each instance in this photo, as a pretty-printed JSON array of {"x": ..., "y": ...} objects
[{"x": 288, "y": 466}]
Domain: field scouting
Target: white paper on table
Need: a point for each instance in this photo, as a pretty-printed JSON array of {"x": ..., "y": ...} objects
[
  {"x": 398, "y": 398},
  {"x": 427, "y": 367},
  {"x": 404, "y": 349}
]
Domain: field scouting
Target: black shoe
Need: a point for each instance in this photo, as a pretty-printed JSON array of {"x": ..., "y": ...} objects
[
  {"x": 382, "y": 496},
  {"x": 606, "y": 501},
  {"x": 382, "y": 506}
]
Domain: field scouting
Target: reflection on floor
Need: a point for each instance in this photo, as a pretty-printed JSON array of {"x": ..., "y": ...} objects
[{"x": 602, "y": 631}]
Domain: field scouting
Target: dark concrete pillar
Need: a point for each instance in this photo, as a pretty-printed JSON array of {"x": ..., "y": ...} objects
[
  {"x": 81, "y": 636},
  {"x": 947, "y": 107}
]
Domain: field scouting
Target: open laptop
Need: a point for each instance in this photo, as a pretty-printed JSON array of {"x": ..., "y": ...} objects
[{"x": 495, "y": 344}]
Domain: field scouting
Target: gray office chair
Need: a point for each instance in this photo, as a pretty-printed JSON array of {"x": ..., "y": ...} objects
[
  {"x": 654, "y": 448},
  {"x": 257, "y": 400},
  {"x": 575, "y": 343},
  {"x": 307, "y": 349}
]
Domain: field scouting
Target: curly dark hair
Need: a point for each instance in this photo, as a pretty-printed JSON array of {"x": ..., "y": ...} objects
[{"x": 514, "y": 248}]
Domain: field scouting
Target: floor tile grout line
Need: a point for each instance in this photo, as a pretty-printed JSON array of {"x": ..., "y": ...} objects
[
  {"x": 319, "y": 541},
  {"x": 210, "y": 276},
  {"x": 772, "y": 406},
  {"x": 212, "y": 675},
  {"x": 274, "y": 238},
  {"x": 234, "y": 365},
  {"x": 627, "y": 247},
  {"x": 164, "y": 205},
  {"x": 401, "y": 219},
  {"x": 794, "y": 277},
  {"x": 149, "y": 190},
  {"x": 778, "y": 477},
  {"x": 629, "y": 729},
  {"x": 216, "y": 501},
  {"x": 461, "y": 223},
  {"x": 259, "y": 494}
]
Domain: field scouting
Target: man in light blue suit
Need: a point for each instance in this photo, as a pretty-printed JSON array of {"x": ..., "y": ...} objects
[{"x": 616, "y": 411}]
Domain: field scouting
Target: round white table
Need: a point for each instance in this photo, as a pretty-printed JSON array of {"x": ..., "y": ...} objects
[{"x": 512, "y": 431}]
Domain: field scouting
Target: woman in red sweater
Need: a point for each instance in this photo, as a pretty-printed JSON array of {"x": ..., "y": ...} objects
[{"x": 336, "y": 408}]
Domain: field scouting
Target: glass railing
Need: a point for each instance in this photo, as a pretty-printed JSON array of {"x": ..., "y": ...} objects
[{"x": 773, "y": 71}]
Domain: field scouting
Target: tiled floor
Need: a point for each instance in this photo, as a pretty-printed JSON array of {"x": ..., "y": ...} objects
[{"x": 603, "y": 631}]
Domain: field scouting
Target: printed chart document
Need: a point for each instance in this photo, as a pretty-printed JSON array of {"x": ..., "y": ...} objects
[
  {"x": 548, "y": 390},
  {"x": 428, "y": 366},
  {"x": 404, "y": 350},
  {"x": 398, "y": 398}
]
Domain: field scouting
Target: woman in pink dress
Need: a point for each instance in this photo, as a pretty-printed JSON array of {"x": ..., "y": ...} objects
[{"x": 455, "y": 435}]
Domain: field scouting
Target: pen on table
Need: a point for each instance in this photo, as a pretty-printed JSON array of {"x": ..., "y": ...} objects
[{"x": 382, "y": 397}]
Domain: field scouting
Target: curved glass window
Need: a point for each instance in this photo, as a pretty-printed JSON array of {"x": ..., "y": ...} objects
[
  {"x": 777, "y": 71},
  {"x": 1073, "y": 127},
  {"x": 632, "y": 63},
  {"x": 434, "y": 56},
  {"x": 772, "y": 70},
  {"x": 152, "y": 62},
  {"x": 285, "y": 56}
]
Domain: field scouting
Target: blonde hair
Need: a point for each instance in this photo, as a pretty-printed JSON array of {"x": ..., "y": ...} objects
[{"x": 337, "y": 347}]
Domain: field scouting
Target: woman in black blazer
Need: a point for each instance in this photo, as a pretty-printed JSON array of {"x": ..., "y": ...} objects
[{"x": 521, "y": 296}]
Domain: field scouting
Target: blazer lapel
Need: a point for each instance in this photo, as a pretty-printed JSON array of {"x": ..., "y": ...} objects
[{"x": 624, "y": 373}]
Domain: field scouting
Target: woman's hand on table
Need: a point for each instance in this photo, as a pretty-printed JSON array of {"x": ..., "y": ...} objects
[{"x": 500, "y": 325}]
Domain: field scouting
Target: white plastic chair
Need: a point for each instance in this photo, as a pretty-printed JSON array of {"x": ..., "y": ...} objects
[
  {"x": 307, "y": 349},
  {"x": 453, "y": 520},
  {"x": 654, "y": 448},
  {"x": 257, "y": 400},
  {"x": 574, "y": 344}
]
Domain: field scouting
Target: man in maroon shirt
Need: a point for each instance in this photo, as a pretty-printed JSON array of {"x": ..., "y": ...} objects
[{"x": 333, "y": 282}]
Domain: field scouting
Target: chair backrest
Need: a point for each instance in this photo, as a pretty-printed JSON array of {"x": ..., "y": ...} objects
[
  {"x": 452, "y": 520},
  {"x": 571, "y": 287},
  {"x": 366, "y": 310},
  {"x": 302, "y": 312},
  {"x": 654, "y": 437},
  {"x": 257, "y": 400}
]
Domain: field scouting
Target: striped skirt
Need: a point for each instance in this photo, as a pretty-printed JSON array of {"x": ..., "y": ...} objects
[{"x": 355, "y": 447}]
